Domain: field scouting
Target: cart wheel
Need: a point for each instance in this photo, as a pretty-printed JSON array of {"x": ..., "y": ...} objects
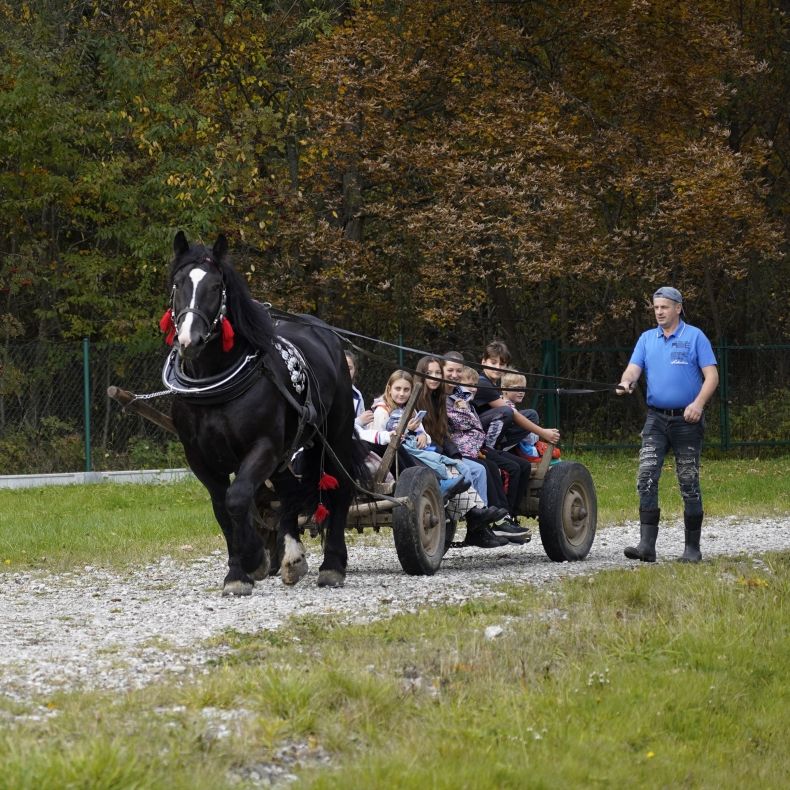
[
  {"x": 567, "y": 512},
  {"x": 419, "y": 530}
]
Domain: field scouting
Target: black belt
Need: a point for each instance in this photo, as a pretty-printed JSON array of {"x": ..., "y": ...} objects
[{"x": 670, "y": 412}]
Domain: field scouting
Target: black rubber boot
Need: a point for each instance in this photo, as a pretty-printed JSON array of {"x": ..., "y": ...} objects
[
  {"x": 693, "y": 531},
  {"x": 648, "y": 533}
]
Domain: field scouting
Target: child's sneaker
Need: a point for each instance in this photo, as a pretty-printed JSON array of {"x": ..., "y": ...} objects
[{"x": 510, "y": 529}]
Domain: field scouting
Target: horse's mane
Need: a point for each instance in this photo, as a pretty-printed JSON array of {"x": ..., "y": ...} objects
[{"x": 249, "y": 318}]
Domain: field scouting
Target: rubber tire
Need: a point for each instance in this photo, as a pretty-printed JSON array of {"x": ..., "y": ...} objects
[
  {"x": 567, "y": 512},
  {"x": 419, "y": 542}
]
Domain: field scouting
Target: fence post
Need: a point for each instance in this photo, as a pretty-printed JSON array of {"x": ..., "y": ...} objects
[
  {"x": 550, "y": 367},
  {"x": 86, "y": 401},
  {"x": 724, "y": 396}
]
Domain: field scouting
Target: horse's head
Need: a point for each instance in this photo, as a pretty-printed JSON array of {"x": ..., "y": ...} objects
[{"x": 198, "y": 295}]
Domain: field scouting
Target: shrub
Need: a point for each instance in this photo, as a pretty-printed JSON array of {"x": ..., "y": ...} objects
[
  {"x": 144, "y": 453},
  {"x": 53, "y": 446},
  {"x": 768, "y": 419}
]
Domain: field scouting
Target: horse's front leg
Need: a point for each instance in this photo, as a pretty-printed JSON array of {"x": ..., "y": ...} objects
[
  {"x": 236, "y": 582},
  {"x": 248, "y": 559}
]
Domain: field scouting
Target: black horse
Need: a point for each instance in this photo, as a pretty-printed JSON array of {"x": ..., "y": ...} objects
[{"x": 259, "y": 400}]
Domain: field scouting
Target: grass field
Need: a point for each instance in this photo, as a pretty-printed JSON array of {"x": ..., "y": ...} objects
[
  {"x": 661, "y": 676},
  {"x": 730, "y": 486},
  {"x": 60, "y": 527},
  {"x": 112, "y": 524}
]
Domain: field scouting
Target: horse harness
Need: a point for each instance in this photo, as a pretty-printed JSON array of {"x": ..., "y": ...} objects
[{"x": 284, "y": 365}]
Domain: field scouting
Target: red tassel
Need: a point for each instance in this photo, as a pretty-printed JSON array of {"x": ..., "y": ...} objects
[
  {"x": 166, "y": 325},
  {"x": 227, "y": 334},
  {"x": 327, "y": 482},
  {"x": 321, "y": 513}
]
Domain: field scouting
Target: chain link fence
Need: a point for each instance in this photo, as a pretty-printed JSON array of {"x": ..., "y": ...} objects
[
  {"x": 750, "y": 409},
  {"x": 55, "y": 415}
]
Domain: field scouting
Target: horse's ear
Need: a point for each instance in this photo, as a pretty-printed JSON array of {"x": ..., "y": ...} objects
[
  {"x": 220, "y": 247},
  {"x": 180, "y": 243}
]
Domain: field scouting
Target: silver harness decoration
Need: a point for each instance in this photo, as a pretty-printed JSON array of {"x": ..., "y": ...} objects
[{"x": 294, "y": 361}]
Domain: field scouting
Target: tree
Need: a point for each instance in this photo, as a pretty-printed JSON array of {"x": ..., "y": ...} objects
[
  {"x": 441, "y": 170},
  {"x": 510, "y": 156}
]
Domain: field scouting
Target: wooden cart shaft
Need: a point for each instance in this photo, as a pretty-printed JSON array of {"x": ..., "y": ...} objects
[{"x": 142, "y": 408}]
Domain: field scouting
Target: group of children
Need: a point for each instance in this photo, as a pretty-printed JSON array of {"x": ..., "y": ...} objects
[{"x": 467, "y": 427}]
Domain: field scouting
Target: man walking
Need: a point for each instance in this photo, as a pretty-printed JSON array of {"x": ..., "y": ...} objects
[{"x": 681, "y": 378}]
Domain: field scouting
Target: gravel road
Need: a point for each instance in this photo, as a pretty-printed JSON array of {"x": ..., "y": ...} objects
[{"x": 92, "y": 628}]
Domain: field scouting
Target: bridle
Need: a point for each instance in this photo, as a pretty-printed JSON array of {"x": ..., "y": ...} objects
[{"x": 211, "y": 325}]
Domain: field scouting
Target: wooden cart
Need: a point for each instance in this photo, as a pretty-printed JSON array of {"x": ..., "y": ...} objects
[{"x": 561, "y": 495}]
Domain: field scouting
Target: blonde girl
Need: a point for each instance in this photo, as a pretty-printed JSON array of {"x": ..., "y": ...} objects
[{"x": 396, "y": 395}]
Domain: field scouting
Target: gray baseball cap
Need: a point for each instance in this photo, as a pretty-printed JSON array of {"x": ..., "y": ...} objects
[{"x": 668, "y": 292}]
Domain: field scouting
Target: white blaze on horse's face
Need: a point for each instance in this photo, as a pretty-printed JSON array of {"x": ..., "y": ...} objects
[{"x": 185, "y": 330}]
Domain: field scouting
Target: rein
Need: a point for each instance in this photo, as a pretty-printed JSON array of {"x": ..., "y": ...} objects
[{"x": 343, "y": 334}]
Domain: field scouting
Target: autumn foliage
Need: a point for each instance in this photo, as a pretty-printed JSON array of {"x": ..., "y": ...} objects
[{"x": 442, "y": 171}]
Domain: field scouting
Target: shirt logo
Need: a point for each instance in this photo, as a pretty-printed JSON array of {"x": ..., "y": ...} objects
[{"x": 680, "y": 352}]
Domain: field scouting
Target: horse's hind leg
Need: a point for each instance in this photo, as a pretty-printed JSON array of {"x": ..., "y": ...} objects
[
  {"x": 332, "y": 572},
  {"x": 294, "y": 563},
  {"x": 266, "y": 524},
  {"x": 340, "y": 429}
]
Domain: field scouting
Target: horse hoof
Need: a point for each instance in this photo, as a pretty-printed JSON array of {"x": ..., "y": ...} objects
[
  {"x": 294, "y": 563},
  {"x": 263, "y": 570},
  {"x": 237, "y": 588},
  {"x": 329, "y": 578},
  {"x": 293, "y": 571}
]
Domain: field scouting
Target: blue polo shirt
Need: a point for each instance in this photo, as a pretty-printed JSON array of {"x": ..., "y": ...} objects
[{"x": 673, "y": 364}]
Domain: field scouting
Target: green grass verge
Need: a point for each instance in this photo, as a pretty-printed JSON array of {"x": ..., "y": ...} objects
[
  {"x": 655, "y": 677},
  {"x": 730, "y": 486},
  {"x": 59, "y": 527},
  {"x": 114, "y": 524}
]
